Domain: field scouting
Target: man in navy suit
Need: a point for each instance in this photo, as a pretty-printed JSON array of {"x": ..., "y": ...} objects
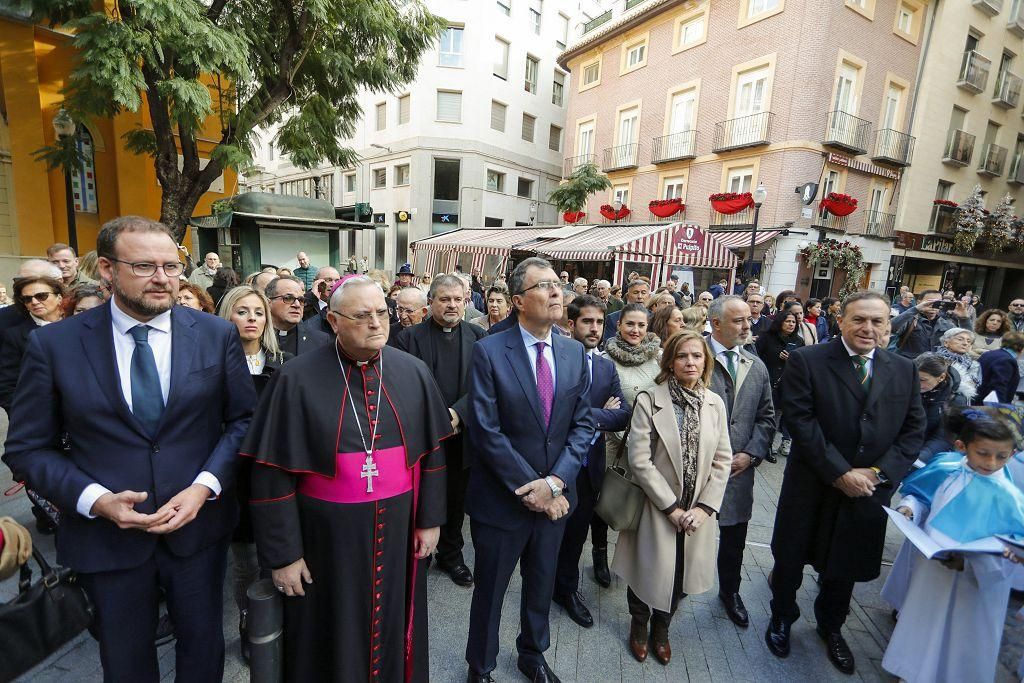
[
  {"x": 154, "y": 402},
  {"x": 999, "y": 370},
  {"x": 529, "y": 427},
  {"x": 607, "y": 406}
]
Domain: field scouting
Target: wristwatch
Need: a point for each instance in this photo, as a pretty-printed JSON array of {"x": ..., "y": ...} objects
[
  {"x": 556, "y": 490},
  {"x": 882, "y": 479}
]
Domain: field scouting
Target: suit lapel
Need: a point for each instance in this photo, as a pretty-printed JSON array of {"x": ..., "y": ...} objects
[
  {"x": 183, "y": 351},
  {"x": 467, "y": 354},
  {"x": 99, "y": 350},
  {"x": 842, "y": 366},
  {"x": 563, "y": 353},
  {"x": 880, "y": 376},
  {"x": 515, "y": 351}
]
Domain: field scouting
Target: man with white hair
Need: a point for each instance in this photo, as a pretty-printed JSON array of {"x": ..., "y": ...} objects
[
  {"x": 604, "y": 293},
  {"x": 580, "y": 286},
  {"x": 411, "y": 307},
  {"x": 348, "y": 496},
  {"x": 202, "y": 277},
  {"x": 472, "y": 313}
]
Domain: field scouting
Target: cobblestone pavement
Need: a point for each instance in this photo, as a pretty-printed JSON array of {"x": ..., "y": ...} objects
[{"x": 706, "y": 645}]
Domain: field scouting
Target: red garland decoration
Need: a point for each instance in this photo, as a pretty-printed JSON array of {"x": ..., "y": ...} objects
[
  {"x": 573, "y": 216},
  {"x": 731, "y": 202},
  {"x": 945, "y": 202},
  {"x": 663, "y": 208},
  {"x": 839, "y": 204},
  {"x": 608, "y": 211}
]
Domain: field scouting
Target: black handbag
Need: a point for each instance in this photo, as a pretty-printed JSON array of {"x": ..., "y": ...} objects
[{"x": 45, "y": 615}]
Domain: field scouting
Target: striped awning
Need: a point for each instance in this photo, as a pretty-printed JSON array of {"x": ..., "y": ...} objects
[
  {"x": 640, "y": 243},
  {"x": 438, "y": 253},
  {"x": 736, "y": 240}
]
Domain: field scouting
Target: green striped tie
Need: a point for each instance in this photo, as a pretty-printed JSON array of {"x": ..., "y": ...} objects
[
  {"x": 861, "y": 362},
  {"x": 730, "y": 361}
]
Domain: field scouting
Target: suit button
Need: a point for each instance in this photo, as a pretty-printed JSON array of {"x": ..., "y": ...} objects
[{"x": 156, "y": 448}]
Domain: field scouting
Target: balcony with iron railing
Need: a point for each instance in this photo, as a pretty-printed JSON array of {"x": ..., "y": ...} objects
[
  {"x": 941, "y": 222},
  {"x": 1015, "y": 24},
  {"x": 745, "y": 131},
  {"x": 620, "y": 157},
  {"x": 990, "y": 7},
  {"x": 674, "y": 147},
  {"x": 630, "y": 4},
  {"x": 831, "y": 221},
  {"x": 879, "y": 224},
  {"x": 974, "y": 71},
  {"x": 1016, "y": 174},
  {"x": 743, "y": 218},
  {"x": 597, "y": 21},
  {"x": 959, "y": 149},
  {"x": 1007, "y": 92},
  {"x": 572, "y": 163},
  {"x": 893, "y": 147},
  {"x": 993, "y": 160},
  {"x": 847, "y": 132}
]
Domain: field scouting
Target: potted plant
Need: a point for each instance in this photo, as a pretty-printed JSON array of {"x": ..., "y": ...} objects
[
  {"x": 663, "y": 208},
  {"x": 573, "y": 216},
  {"x": 839, "y": 204},
  {"x": 945, "y": 204},
  {"x": 609, "y": 212},
  {"x": 731, "y": 202},
  {"x": 570, "y": 198}
]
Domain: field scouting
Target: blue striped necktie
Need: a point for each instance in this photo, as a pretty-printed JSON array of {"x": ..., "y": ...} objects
[{"x": 147, "y": 397}]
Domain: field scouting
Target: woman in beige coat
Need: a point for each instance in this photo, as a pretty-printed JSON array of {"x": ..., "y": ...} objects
[{"x": 679, "y": 453}]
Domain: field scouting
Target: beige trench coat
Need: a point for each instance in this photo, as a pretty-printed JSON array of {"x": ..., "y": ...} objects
[{"x": 646, "y": 558}]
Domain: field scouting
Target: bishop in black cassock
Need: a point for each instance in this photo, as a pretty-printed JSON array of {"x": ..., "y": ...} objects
[{"x": 348, "y": 473}]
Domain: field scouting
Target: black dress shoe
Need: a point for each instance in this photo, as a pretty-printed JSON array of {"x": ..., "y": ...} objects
[
  {"x": 777, "y": 637},
  {"x": 541, "y": 674},
  {"x": 771, "y": 458},
  {"x": 243, "y": 634},
  {"x": 576, "y": 609},
  {"x": 735, "y": 608},
  {"x": 601, "y": 573},
  {"x": 479, "y": 678},
  {"x": 459, "y": 573},
  {"x": 838, "y": 651}
]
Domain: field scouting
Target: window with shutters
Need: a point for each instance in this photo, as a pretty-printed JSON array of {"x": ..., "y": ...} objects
[
  {"x": 380, "y": 178},
  {"x": 585, "y": 138},
  {"x": 450, "y": 47},
  {"x": 449, "y": 106},
  {"x": 404, "y": 106},
  {"x": 620, "y": 193},
  {"x": 752, "y": 11},
  {"x": 532, "y": 68},
  {"x": 529, "y": 123},
  {"x": 495, "y": 181},
  {"x": 401, "y": 175},
  {"x": 591, "y": 74},
  {"x": 525, "y": 188},
  {"x": 558, "y": 89},
  {"x": 555, "y": 138},
  {"x": 536, "y": 9},
  {"x": 382, "y": 115},
  {"x": 501, "y": 58},
  {"x": 498, "y": 115}
]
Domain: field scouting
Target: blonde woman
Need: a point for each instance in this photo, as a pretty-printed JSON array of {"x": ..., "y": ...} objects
[{"x": 695, "y": 318}]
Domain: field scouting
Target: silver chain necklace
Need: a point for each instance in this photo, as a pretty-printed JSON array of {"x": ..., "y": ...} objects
[{"x": 369, "y": 469}]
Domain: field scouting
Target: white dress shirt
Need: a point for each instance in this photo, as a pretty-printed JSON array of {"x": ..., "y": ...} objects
[
  {"x": 870, "y": 355},
  {"x": 124, "y": 347},
  {"x": 720, "y": 350},
  {"x": 531, "y": 350}
]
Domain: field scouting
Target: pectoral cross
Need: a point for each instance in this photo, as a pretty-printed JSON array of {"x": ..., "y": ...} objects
[{"x": 369, "y": 472}]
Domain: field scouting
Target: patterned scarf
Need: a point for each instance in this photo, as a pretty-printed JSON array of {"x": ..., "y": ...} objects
[
  {"x": 959, "y": 359},
  {"x": 687, "y": 404},
  {"x": 623, "y": 353}
]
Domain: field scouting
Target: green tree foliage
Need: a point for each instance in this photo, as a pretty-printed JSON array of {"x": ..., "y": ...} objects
[
  {"x": 249, "y": 63},
  {"x": 572, "y": 195}
]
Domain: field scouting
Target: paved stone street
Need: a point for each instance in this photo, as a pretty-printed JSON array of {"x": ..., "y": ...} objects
[{"x": 706, "y": 645}]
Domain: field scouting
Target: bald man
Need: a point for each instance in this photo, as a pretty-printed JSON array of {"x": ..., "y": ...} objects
[
  {"x": 263, "y": 279},
  {"x": 318, "y": 296},
  {"x": 202, "y": 276}
]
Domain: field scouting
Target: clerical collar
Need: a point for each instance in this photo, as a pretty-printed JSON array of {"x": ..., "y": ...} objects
[
  {"x": 352, "y": 361},
  {"x": 285, "y": 333},
  {"x": 446, "y": 330}
]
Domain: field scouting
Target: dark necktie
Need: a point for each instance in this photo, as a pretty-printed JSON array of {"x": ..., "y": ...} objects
[
  {"x": 147, "y": 398},
  {"x": 730, "y": 361},
  {"x": 545, "y": 383}
]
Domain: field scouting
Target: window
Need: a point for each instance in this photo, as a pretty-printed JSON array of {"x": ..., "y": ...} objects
[
  {"x": 558, "y": 89},
  {"x": 495, "y": 181},
  {"x": 691, "y": 32},
  {"x": 350, "y": 182},
  {"x": 636, "y": 56},
  {"x": 944, "y": 189},
  {"x": 628, "y": 128},
  {"x": 892, "y": 107},
  {"x": 673, "y": 187},
  {"x": 740, "y": 179},
  {"x": 490, "y": 222},
  {"x": 957, "y": 119},
  {"x": 525, "y": 188},
  {"x": 563, "y": 31},
  {"x": 620, "y": 193},
  {"x": 498, "y": 115},
  {"x": 505, "y": 7},
  {"x": 404, "y": 105},
  {"x": 402, "y": 175},
  {"x": 450, "y": 47},
  {"x": 536, "y": 9},
  {"x": 380, "y": 178},
  {"x": 909, "y": 17},
  {"x": 270, "y": 151},
  {"x": 905, "y": 19},
  {"x": 846, "y": 89},
  {"x": 591, "y": 74},
  {"x": 532, "y": 67},
  {"x": 865, "y": 8},
  {"x": 501, "y": 58},
  {"x": 877, "y": 198},
  {"x": 751, "y": 89},
  {"x": 449, "y": 106},
  {"x": 681, "y": 111},
  {"x": 555, "y": 138},
  {"x": 529, "y": 122},
  {"x": 382, "y": 116},
  {"x": 991, "y": 132},
  {"x": 585, "y": 139},
  {"x": 83, "y": 183},
  {"x": 756, "y": 7},
  {"x": 972, "y": 41},
  {"x": 831, "y": 183},
  {"x": 446, "y": 179}
]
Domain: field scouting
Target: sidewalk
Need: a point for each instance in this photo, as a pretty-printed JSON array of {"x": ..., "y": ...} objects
[{"x": 706, "y": 645}]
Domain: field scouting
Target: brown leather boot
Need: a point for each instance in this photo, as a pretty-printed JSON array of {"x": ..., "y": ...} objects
[
  {"x": 659, "y": 639},
  {"x": 638, "y": 638}
]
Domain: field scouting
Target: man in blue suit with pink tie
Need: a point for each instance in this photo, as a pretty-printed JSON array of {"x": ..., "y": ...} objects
[
  {"x": 153, "y": 400},
  {"x": 529, "y": 426}
]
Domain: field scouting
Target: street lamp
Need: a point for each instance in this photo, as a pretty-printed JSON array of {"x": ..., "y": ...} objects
[
  {"x": 618, "y": 207},
  {"x": 760, "y": 194},
  {"x": 64, "y": 127}
]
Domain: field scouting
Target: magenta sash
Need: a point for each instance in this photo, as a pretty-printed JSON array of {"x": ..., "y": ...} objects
[{"x": 391, "y": 476}]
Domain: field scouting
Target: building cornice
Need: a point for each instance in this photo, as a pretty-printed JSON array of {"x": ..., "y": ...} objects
[{"x": 616, "y": 27}]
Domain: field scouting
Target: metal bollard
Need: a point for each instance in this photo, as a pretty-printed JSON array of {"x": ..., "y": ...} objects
[{"x": 266, "y": 627}]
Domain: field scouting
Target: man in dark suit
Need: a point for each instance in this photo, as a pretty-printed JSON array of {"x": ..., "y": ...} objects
[
  {"x": 294, "y": 335},
  {"x": 317, "y": 298},
  {"x": 445, "y": 343},
  {"x": 854, "y": 410},
  {"x": 999, "y": 370},
  {"x": 529, "y": 428},
  {"x": 154, "y": 401},
  {"x": 607, "y": 407}
]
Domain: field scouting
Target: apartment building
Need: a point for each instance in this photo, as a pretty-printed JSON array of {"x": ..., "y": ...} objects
[
  {"x": 676, "y": 98},
  {"x": 970, "y": 132},
  {"x": 476, "y": 139}
]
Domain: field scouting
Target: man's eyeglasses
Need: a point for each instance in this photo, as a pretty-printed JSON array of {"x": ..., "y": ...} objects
[
  {"x": 172, "y": 269},
  {"x": 402, "y": 310},
  {"x": 288, "y": 299},
  {"x": 40, "y": 297},
  {"x": 544, "y": 286},
  {"x": 365, "y": 317}
]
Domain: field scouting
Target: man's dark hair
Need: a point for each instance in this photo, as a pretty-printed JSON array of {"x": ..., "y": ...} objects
[
  {"x": 827, "y": 302},
  {"x": 445, "y": 281},
  {"x": 106, "y": 242},
  {"x": 1014, "y": 341},
  {"x": 271, "y": 289},
  {"x": 932, "y": 364},
  {"x": 515, "y": 280},
  {"x": 583, "y": 301},
  {"x": 864, "y": 295},
  {"x": 783, "y": 295},
  {"x": 637, "y": 283},
  {"x": 926, "y": 292},
  {"x": 59, "y": 246}
]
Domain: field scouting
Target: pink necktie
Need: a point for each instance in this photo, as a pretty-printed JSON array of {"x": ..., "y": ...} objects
[{"x": 545, "y": 383}]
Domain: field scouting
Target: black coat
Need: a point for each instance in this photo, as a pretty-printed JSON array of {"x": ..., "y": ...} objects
[
  {"x": 999, "y": 373},
  {"x": 769, "y": 346},
  {"x": 13, "y": 341},
  {"x": 837, "y": 426},
  {"x": 416, "y": 341}
]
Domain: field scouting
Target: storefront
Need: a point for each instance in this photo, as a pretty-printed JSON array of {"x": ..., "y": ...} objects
[{"x": 474, "y": 250}]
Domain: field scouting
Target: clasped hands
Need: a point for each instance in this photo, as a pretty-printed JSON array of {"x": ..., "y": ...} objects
[
  {"x": 859, "y": 482},
  {"x": 119, "y": 508},
  {"x": 688, "y": 521},
  {"x": 537, "y": 497}
]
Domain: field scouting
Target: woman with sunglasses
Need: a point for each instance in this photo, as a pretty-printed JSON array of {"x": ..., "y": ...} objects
[{"x": 40, "y": 299}]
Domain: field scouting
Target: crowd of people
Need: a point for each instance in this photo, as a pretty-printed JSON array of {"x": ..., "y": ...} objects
[{"x": 332, "y": 431}]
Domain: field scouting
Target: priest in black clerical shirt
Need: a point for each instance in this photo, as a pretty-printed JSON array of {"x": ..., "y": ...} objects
[
  {"x": 293, "y": 335},
  {"x": 445, "y": 343}
]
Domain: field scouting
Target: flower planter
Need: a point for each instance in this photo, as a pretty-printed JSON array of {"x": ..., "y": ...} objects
[
  {"x": 573, "y": 216},
  {"x": 945, "y": 204},
  {"x": 729, "y": 203},
  {"x": 663, "y": 208},
  {"x": 608, "y": 211},
  {"x": 839, "y": 204}
]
